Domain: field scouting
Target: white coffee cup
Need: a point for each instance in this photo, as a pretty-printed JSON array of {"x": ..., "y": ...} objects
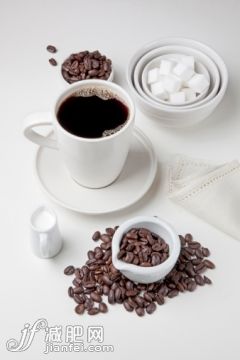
[
  {"x": 92, "y": 162},
  {"x": 46, "y": 240}
]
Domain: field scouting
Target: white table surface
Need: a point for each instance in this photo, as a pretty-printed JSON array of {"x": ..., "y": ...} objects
[{"x": 203, "y": 324}]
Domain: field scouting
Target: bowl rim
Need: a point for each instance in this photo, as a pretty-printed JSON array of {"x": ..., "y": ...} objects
[
  {"x": 133, "y": 222},
  {"x": 210, "y": 52}
]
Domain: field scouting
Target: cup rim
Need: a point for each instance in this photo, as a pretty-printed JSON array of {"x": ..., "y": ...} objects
[
  {"x": 39, "y": 209},
  {"x": 104, "y": 83},
  {"x": 117, "y": 237}
]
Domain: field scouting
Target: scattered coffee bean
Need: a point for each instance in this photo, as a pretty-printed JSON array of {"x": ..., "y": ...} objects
[
  {"x": 98, "y": 277},
  {"x": 69, "y": 270},
  {"x": 53, "y": 62},
  {"x": 86, "y": 65},
  {"x": 52, "y": 49}
]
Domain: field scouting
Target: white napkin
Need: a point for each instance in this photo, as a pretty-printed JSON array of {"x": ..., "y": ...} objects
[{"x": 210, "y": 192}]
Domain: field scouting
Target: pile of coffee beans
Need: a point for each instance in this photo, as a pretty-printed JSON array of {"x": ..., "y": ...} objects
[
  {"x": 86, "y": 65},
  {"x": 98, "y": 278},
  {"x": 143, "y": 247}
]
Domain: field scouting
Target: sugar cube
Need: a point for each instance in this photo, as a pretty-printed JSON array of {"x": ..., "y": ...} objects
[
  {"x": 189, "y": 61},
  {"x": 158, "y": 90},
  {"x": 166, "y": 67},
  {"x": 190, "y": 95},
  {"x": 183, "y": 71},
  {"x": 172, "y": 83},
  {"x": 177, "y": 98},
  {"x": 152, "y": 75},
  {"x": 198, "y": 83}
]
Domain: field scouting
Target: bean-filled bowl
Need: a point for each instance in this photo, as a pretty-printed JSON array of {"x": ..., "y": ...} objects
[{"x": 145, "y": 249}]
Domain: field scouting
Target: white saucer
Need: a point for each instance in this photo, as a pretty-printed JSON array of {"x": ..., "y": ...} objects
[{"x": 134, "y": 181}]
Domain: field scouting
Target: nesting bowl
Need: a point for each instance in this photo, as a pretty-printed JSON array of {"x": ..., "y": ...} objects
[
  {"x": 176, "y": 116},
  {"x": 155, "y": 62}
]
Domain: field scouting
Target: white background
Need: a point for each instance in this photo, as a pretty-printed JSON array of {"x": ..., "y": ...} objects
[{"x": 203, "y": 324}]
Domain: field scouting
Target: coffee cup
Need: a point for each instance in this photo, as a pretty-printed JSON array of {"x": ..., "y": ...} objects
[{"x": 93, "y": 160}]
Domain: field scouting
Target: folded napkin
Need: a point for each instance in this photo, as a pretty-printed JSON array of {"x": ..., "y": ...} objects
[{"x": 211, "y": 192}]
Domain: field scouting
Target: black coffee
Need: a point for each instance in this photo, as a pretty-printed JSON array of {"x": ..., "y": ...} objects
[{"x": 92, "y": 116}]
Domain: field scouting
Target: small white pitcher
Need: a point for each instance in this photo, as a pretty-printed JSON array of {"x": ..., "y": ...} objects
[{"x": 46, "y": 240}]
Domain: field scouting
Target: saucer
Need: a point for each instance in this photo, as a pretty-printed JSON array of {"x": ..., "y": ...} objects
[{"x": 132, "y": 184}]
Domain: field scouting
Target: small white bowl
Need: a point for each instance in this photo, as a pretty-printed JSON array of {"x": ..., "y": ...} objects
[
  {"x": 171, "y": 49},
  {"x": 151, "y": 274},
  {"x": 199, "y": 69}
]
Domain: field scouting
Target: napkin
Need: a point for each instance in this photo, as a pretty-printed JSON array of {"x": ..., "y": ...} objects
[{"x": 209, "y": 191}]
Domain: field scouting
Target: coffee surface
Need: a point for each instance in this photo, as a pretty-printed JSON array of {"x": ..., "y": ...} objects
[{"x": 92, "y": 116}]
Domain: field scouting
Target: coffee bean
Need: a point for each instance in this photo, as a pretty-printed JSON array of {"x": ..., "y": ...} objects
[
  {"x": 90, "y": 285},
  {"x": 69, "y": 270},
  {"x": 79, "y": 299},
  {"x": 205, "y": 252},
  {"x": 78, "y": 290},
  {"x": 173, "y": 293},
  {"x": 93, "y": 311},
  {"x": 96, "y": 297},
  {"x": 188, "y": 238},
  {"x": 209, "y": 264},
  {"x": 105, "y": 289},
  {"x": 103, "y": 308},
  {"x": 194, "y": 245},
  {"x": 127, "y": 306},
  {"x": 96, "y": 236},
  {"x": 139, "y": 300},
  {"x": 140, "y": 311},
  {"x": 147, "y": 297},
  {"x": 79, "y": 309},
  {"x": 191, "y": 286},
  {"x": 111, "y": 297},
  {"x": 207, "y": 280},
  {"x": 53, "y": 62},
  {"x": 51, "y": 49},
  {"x": 151, "y": 308},
  {"x": 109, "y": 231},
  {"x": 199, "y": 280},
  {"x": 130, "y": 293},
  {"x": 70, "y": 291},
  {"x": 159, "y": 299}
]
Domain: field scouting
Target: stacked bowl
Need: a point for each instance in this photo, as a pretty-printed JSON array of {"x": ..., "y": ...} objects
[{"x": 207, "y": 62}]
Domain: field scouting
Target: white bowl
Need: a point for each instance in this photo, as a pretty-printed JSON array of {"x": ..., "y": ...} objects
[
  {"x": 151, "y": 274},
  {"x": 199, "y": 69},
  {"x": 198, "y": 55},
  {"x": 175, "y": 117}
]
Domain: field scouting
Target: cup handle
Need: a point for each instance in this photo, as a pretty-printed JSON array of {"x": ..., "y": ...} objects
[
  {"x": 44, "y": 245},
  {"x": 35, "y": 120}
]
